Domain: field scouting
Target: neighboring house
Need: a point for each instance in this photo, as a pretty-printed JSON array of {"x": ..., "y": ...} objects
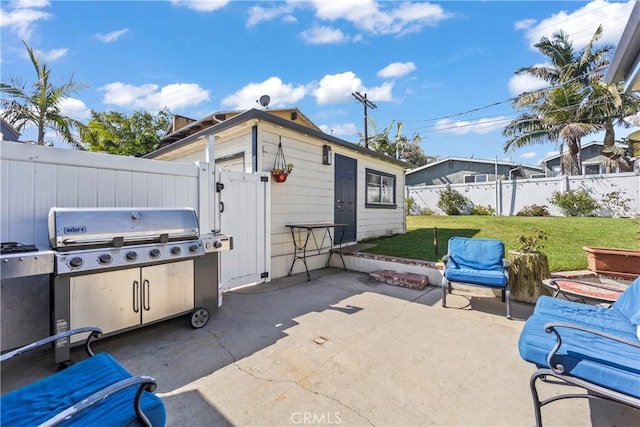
[
  {"x": 625, "y": 65},
  {"x": 457, "y": 170},
  {"x": 592, "y": 160},
  {"x": 8, "y": 132},
  {"x": 333, "y": 181}
]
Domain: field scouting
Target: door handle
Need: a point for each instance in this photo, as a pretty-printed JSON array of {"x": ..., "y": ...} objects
[
  {"x": 136, "y": 296},
  {"x": 146, "y": 297}
]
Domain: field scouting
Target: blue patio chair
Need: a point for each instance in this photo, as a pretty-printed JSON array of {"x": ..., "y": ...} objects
[{"x": 476, "y": 262}]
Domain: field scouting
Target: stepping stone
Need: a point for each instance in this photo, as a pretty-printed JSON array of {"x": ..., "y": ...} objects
[{"x": 405, "y": 280}]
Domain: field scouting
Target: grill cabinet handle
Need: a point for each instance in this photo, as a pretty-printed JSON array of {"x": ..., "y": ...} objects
[
  {"x": 146, "y": 299},
  {"x": 136, "y": 296}
]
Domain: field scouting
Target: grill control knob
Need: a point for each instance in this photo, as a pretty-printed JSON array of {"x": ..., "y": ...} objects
[
  {"x": 217, "y": 244},
  {"x": 154, "y": 253},
  {"x": 131, "y": 256},
  {"x": 75, "y": 262},
  {"x": 194, "y": 248},
  {"x": 104, "y": 259},
  {"x": 176, "y": 250}
]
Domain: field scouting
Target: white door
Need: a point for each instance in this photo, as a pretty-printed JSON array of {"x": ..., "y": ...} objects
[{"x": 243, "y": 206}]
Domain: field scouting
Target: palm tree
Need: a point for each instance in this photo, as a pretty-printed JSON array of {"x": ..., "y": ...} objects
[
  {"x": 41, "y": 107},
  {"x": 576, "y": 103}
]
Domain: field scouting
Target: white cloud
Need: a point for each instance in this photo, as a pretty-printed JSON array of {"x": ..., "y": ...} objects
[
  {"x": 365, "y": 15},
  {"x": 528, "y": 155},
  {"x": 463, "y": 127},
  {"x": 343, "y": 129},
  {"x": 520, "y": 83},
  {"x": 74, "y": 108},
  {"x": 111, "y": 36},
  {"x": 201, "y": 5},
  {"x": 21, "y": 17},
  {"x": 51, "y": 55},
  {"x": 259, "y": 14},
  {"x": 381, "y": 17},
  {"x": 397, "y": 69},
  {"x": 148, "y": 97},
  {"x": 337, "y": 88},
  {"x": 281, "y": 94},
  {"x": 323, "y": 35},
  {"x": 581, "y": 23}
]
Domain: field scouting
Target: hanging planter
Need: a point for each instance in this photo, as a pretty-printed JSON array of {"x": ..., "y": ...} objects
[{"x": 281, "y": 169}]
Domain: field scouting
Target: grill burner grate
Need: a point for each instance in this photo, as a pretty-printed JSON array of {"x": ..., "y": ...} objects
[{"x": 16, "y": 247}]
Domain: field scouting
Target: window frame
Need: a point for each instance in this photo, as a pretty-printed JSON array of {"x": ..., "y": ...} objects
[
  {"x": 474, "y": 175},
  {"x": 379, "y": 205}
]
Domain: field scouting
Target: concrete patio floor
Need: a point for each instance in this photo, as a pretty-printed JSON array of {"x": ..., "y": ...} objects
[{"x": 340, "y": 350}]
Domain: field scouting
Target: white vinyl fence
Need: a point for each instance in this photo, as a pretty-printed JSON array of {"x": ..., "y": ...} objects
[
  {"x": 508, "y": 197},
  {"x": 35, "y": 178}
]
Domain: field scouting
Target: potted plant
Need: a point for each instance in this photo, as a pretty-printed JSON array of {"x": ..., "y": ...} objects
[
  {"x": 281, "y": 174},
  {"x": 528, "y": 268}
]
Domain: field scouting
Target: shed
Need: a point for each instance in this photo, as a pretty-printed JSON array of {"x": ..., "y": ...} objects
[
  {"x": 333, "y": 181},
  {"x": 458, "y": 170}
]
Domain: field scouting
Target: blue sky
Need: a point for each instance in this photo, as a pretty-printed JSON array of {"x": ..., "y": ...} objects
[{"x": 434, "y": 66}]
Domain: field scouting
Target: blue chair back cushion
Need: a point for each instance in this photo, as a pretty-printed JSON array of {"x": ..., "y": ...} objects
[
  {"x": 598, "y": 360},
  {"x": 476, "y": 261},
  {"x": 35, "y": 403},
  {"x": 628, "y": 304}
]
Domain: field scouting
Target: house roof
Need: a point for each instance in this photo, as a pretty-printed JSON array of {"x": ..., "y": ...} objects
[
  {"x": 267, "y": 116},
  {"x": 588, "y": 144},
  {"x": 8, "y": 127},
  {"x": 467, "y": 160},
  {"x": 190, "y": 126},
  {"x": 625, "y": 65}
]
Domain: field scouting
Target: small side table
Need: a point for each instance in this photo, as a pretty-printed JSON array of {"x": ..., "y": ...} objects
[
  {"x": 583, "y": 290},
  {"x": 300, "y": 244}
]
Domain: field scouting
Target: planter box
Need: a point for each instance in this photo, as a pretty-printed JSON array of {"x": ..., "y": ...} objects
[{"x": 614, "y": 262}]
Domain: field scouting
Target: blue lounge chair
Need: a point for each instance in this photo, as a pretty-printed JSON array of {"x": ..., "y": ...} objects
[
  {"x": 94, "y": 391},
  {"x": 477, "y": 262}
]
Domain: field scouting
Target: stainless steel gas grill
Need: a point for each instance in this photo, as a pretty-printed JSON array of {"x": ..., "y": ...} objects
[{"x": 124, "y": 268}]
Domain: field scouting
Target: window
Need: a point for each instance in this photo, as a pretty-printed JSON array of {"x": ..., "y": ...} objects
[
  {"x": 537, "y": 175},
  {"x": 381, "y": 189},
  {"x": 555, "y": 170},
  {"x": 475, "y": 178},
  {"x": 591, "y": 169}
]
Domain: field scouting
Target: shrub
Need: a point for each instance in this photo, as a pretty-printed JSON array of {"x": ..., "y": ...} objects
[
  {"x": 481, "y": 210},
  {"x": 451, "y": 202},
  {"x": 531, "y": 243},
  {"x": 412, "y": 208},
  {"x": 574, "y": 203},
  {"x": 428, "y": 211},
  {"x": 534, "y": 210}
]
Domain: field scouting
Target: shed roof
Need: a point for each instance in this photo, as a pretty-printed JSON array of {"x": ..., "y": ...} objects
[
  {"x": 625, "y": 65},
  {"x": 265, "y": 115}
]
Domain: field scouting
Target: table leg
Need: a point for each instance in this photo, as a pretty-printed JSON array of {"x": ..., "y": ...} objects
[
  {"x": 296, "y": 249},
  {"x": 333, "y": 243}
]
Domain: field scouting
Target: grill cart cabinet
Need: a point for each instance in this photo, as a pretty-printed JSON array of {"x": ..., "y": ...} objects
[{"x": 123, "y": 299}]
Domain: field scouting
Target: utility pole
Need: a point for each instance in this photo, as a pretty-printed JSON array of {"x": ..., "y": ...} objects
[{"x": 367, "y": 104}]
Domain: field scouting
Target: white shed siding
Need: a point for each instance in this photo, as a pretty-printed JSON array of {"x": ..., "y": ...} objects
[{"x": 36, "y": 178}]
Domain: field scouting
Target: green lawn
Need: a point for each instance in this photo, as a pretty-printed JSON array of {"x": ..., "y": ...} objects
[{"x": 563, "y": 247}]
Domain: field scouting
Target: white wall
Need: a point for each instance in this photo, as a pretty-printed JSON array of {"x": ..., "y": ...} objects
[
  {"x": 35, "y": 178},
  {"x": 509, "y": 197}
]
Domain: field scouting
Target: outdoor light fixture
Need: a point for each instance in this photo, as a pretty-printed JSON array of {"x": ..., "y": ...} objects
[{"x": 327, "y": 156}]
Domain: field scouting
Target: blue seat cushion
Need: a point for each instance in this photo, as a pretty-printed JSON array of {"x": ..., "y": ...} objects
[
  {"x": 476, "y": 254},
  {"x": 601, "y": 318},
  {"x": 41, "y": 400},
  {"x": 492, "y": 278},
  {"x": 628, "y": 304},
  {"x": 598, "y": 360}
]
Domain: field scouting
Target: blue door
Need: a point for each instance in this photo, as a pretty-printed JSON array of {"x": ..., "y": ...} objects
[{"x": 345, "y": 196}]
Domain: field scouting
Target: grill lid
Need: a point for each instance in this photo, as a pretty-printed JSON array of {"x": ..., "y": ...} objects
[{"x": 89, "y": 227}]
